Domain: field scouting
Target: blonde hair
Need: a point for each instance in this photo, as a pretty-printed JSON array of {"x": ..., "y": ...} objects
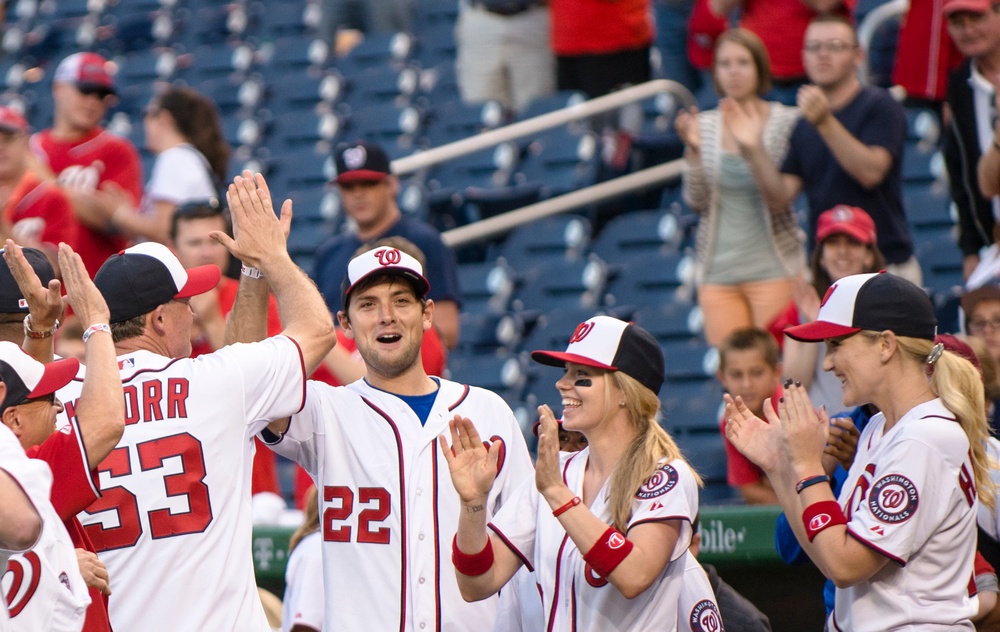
[
  {"x": 643, "y": 455},
  {"x": 959, "y": 385},
  {"x": 310, "y": 521}
]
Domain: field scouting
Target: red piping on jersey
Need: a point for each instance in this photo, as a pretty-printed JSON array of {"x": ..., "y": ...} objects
[
  {"x": 524, "y": 560},
  {"x": 305, "y": 376},
  {"x": 833, "y": 619},
  {"x": 573, "y": 604},
  {"x": 655, "y": 520},
  {"x": 875, "y": 548},
  {"x": 465, "y": 393},
  {"x": 555, "y": 589},
  {"x": 402, "y": 512},
  {"x": 566, "y": 466},
  {"x": 141, "y": 371},
  {"x": 437, "y": 540}
]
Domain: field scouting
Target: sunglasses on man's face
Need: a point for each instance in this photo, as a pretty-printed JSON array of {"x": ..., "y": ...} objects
[
  {"x": 95, "y": 91},
  {"x": 49, "y": 399}
]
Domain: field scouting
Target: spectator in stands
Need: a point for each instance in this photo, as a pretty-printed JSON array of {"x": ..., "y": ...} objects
[
  {"x": 925, "y": 55},
  {"x": 982, "y": 316},
  {"x": 748, "y": 253},
  {"x": 974, "y": 26},
  {"x": 503, "y": 52},
  {"x": 84, "y": 157},
  {"x": 192, "y": 156},
  {"x": 749, "y": 367},
  {"x": 368, "y": 191},
  {"x": 347, "y": 21},
  {"x": 703, "y": 31},
  {"x": 846, "y": 245},
  {"x": 848, "y": 146},
  {"x": 36, "y": 214},
  {"x": 303, "y": 603},
  {"x": 927, "y": 442},
  {"x": 601, "y": 46},
  {"x": 781, "y": 24}
]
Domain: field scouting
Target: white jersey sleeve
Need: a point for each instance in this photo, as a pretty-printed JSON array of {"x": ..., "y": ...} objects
[
  {"x": 669, "y": 494},
  {"x": 989, "y": 521},
  {"x": 304, "y": 600},
  {"x": 180, "y": 174},
  {"x": 32, "y": 476},
  {"x": 306, "y": 429},
  {"x": 516, "y": 521}
]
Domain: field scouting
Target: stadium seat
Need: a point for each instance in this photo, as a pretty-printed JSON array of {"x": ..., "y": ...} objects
[
  {"x": 291, "y": 19},
  {"x": 486, "y": 286},
  {"x": 941, "y": 261},
  {"x": 656, "y": 230},
  {"x": 921, "y": 164},
  {"x": 690, "y": 359},
  {"x": 692, "y": 405},
  {"x": 551, "y": 329},
  {"x": 651, "y": 279},
  {"x": 562, "y": 283},
  {"x": 670, "y": 321},
  {"x": 503, "y": 374},
  {"x": 927, "y": 205},
  {"x": 706, "y": 453},
  {"x": 561, "y": 161},
  {"x": 485, "y": 332},
  {"x": 565, "y": 236},
  {"x": 377, "y": 50},
  {"x": 551, "y": 103}
]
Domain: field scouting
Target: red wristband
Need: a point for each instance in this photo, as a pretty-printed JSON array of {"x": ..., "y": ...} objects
[
  {"x": 821, "y": 516},
  {"x": 608, "y": 552},
  {"x": 472, "y": 565},
  {"x": 569, "y": 505}
]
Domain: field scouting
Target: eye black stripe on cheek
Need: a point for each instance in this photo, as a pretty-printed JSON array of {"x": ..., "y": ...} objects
[{"x": 584, "y": 382}]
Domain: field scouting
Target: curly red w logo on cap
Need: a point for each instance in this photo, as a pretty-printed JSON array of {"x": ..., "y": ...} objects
[
  {"x": 829, "y": 293},
  {"x": 388, "y": 257},
  {"x": 581, "y": 332}
]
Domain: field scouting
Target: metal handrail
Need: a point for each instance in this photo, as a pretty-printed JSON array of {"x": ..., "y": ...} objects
[
  {"x": 874, "y": 19},
  {"x": 505, "y": 222},
  {"x": 420, "y": 160}
]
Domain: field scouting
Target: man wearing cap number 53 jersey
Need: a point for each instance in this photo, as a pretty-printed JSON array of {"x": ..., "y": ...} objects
[
  {"x": 173, "y": 524},
  {"x": 388, "y": 507}
]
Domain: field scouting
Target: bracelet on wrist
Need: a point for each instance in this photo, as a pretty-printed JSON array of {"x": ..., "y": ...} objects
[
  {"x": 95, "y": 328},
  {"x": 810, "y": 481},
  {"x": 38, "y": 334},
  {"x": 251, "y": 272},
  {"x": 573, "y": 502}
]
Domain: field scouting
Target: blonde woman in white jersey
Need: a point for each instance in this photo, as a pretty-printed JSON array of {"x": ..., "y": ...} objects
[
  {"x": 606, "y": 529},
  {"x": 899, "y": 542}
]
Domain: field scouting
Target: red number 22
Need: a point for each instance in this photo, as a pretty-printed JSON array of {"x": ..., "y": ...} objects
[{"x": 374, "y": 514}]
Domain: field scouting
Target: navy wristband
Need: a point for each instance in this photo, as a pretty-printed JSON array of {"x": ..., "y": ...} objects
[{"x": 809, "y": 482}]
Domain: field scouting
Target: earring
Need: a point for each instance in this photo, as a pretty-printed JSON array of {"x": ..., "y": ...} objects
[{"x": 621, "y": 404}]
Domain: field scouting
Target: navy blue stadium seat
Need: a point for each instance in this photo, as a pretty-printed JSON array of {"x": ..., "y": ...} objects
[
  {"x": 486, "y": 332},
  {"x": 691, "y": 405},
  {"x": 563, "y": 236},
  {"x": 486, "y": 286},
  {"x": 941, "y": 261},
  {"x": 707, "y": 455},
  {"x": 651, "y": 279},
  {"x": 551, "y": 103},
  {"x": 920, "y": 164},
  {"x": 503, "y": 374},
  {"x": 656, "y": 230},
  {"x": 377, "y": 50},
  {"x": 552, "y": 328},
  {"x": 561, "y": 161},
  {"x": 690, "y": 359},
  {"x": 290, "y": 53},
  {"x": 558, "y": 283},
  {"x": 670, "y": 321}
]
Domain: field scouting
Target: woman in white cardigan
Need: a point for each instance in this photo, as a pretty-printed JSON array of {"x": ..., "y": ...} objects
[{"x": 748, "y": 255}]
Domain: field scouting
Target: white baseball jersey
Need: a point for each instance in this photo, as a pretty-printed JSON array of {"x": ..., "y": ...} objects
[
  {"x": 520, "y": 605},
  {"x": 387, "y": 504},
  {"x": 174, "y": 523},
  {"x": 697, "y": 608},
  {"x": 911, "y": 496},
  {"x": 303, "y": 603},
  {"x": 573, "y": 596},
  {"x": 43, "y": 588}
]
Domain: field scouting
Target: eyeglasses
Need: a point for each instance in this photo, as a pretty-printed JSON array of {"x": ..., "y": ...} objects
[
  {"x": 833, "y": 46},
  {"x": 979, "y": 327}
]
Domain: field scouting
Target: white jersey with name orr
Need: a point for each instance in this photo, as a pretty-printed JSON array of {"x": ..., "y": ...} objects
[
  {"x": 43, "y": 586},
  {"x": 910, "y": 495},
  {"x": 387, "y": 505},
  {"x": 573, "y": 596},
  {"x": 174, "y": 524}
]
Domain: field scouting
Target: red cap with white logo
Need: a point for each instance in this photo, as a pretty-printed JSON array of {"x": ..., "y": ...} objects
[
  {"x": 384, "y": 260},
  {"x": 607, "y": 343}
]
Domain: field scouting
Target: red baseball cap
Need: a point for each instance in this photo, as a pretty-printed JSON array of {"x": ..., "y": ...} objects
[
  {"x": 971, "y": 6},
  {"x": 27, "y": 378},
  {"x": 846, "y": 220},
  {"x": 12, "y": 121},
  {"x": 86, "y": 70}
]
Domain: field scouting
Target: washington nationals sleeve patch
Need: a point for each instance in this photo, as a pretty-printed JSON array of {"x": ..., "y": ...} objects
[
  {"x": 661, "y": 482},
  {"x": 893, "y": 499},
  {"x": 705, "y": 617}
]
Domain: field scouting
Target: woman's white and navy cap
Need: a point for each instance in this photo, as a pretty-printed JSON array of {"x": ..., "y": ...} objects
[
  {"x": 873, "y": 302},
  {"x": 384, "y": 260},
  {"x": 607, "y": 343},
  {"x": 26, "y": 378},
  {"x": 139, "y": 279}
]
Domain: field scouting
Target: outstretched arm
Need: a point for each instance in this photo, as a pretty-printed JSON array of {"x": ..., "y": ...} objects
[
  {"x": 260, "y": 243},
  {"x": 100, "y": 410},
  {"x": 20, "y": 524}
]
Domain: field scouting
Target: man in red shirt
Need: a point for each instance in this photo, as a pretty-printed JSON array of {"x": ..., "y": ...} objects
[
  {"x": 85, "y": 158},
  {"x": 74, "y": 451},
  {"x": 36, "y": 213}
]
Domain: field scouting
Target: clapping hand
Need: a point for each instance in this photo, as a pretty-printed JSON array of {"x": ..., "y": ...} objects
[
  {"x": 686, "y": 124},
  {"x": 473, "y": 467},
  {"x": 744, "y": 122},
  {"x": 756, "y": 439}
]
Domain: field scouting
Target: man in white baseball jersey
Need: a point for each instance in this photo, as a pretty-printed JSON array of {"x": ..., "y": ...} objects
[
  {"x": 24, "y": 487},
  {"x": 387, "y": 504},
  {"x": 43, "y": 586},
  {"x": 173, "y": 524}
]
